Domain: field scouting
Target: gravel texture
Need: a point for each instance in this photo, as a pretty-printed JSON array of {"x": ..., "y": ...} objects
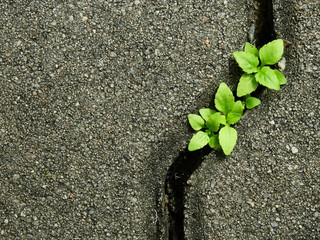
[
  {"x": 268, "y": 188},
  {"x": 93, "y": 105}
]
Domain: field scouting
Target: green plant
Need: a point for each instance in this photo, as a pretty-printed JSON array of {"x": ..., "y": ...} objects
[
  {"x": 214, "y": 126},
  {"x": 218, "y": 133},
  {"x": 254, "y": 63}
]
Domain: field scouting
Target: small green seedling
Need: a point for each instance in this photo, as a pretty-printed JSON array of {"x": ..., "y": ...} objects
[
  {"x": 214, "y": 126},
  {"x": 254, "y": 63}
]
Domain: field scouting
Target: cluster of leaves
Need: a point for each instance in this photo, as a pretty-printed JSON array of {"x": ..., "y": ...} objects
[
  {"x": 218, "y": 134},
  {"x": 256, "y": 71},
  {"x": 214, "y": 126}
]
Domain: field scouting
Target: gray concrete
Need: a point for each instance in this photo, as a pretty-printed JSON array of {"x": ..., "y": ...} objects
[
  {"x": 93, "y": 105},
  {"x": 268, "y": 188}
]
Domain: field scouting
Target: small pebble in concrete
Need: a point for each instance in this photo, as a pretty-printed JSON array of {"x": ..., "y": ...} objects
[
  {"x": 15, "y": 177},
  {"x": 294, "y": 150}
]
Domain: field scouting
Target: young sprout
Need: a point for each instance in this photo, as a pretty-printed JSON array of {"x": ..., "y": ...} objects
[{"x": 213, "y": 126}]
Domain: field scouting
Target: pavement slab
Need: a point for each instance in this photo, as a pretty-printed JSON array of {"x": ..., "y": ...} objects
[{"x": 268, "y": 188}]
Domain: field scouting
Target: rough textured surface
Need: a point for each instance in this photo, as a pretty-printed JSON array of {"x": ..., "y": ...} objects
[
  {"x": 93, "y": 105},
  {"x": 268, "y": 188}
]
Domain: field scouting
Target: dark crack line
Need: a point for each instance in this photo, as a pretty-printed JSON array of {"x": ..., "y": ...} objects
[
  {"x": 188, "y": 162},
  {"x": 178, "y": 175},
  {"x": 264, "y": 26}
]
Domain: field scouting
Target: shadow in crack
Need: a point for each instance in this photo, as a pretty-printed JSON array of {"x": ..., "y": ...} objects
[
  {"x": 178, "y": 175},
  {"x": 264, "y": 26}
]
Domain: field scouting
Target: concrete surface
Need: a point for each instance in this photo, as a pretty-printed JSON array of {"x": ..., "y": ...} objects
[
  {"x": 93, "y": 105},
  {"x": 268, "y": 188}
]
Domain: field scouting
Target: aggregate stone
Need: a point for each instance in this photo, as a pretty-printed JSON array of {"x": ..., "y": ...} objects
[
  {"x": 268, "y": 188},
  {"x": 93, "y": 105}
]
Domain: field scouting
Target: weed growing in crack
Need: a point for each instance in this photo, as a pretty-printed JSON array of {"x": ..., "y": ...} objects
[{"x": 213, "y": 126}]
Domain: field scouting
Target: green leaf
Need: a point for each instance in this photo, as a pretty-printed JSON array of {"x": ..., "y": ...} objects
[
  {"x": 214, "y": 142},
  {"x": 214, "y": 121},
  {"x": 223, "y": 120},
  {"x": 227, "y": 139},
  {"x": 268, "y": 78},
  {"x": 282, "y": 80},
  {"x": 271, "y": 53},
  {"x": 252, "y": 102},
  {"x": 199, "y": 140},
  {"x": 249, "y": 48},
  {"x": 236, "y": 112},
  {"x": 206, "y": 113},
  {"x": 196, "y": 121},
  {"x": 247, "y": 85},
  {"x": 224, "y": 99},
  {"x": 247, "y": 61}
]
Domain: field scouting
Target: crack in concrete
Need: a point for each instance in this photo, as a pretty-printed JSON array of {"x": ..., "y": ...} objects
[
  {"x": 187, "y": 162},
  {"x": 177, "y": 178},
  {"x": 263, "y": 20}
]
